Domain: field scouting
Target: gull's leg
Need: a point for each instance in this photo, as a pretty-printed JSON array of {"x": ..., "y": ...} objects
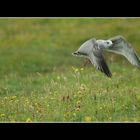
[{"x": 86, "y": 62}]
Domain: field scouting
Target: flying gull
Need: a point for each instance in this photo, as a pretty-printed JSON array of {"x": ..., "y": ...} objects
[{"x": 92, "y": 49}]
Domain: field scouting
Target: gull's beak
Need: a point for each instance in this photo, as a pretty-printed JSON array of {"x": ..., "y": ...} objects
[
  {"x": 79, "y": 54},
  {"x": 75, "y": 53}
]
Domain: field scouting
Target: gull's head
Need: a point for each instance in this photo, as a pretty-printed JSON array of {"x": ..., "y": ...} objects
[
  {"x": 108, "y": 43},
  {"x": 104, "y": 43}
]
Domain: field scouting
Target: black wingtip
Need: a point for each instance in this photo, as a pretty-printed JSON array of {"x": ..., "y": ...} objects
[
  {"x": 104, "y": 68},
  {"x": 117, "y": 39},
  {"x": 137, "y": 60},
  {"x": 107, "y": 72},
  {"x": 109, "y": 75}
]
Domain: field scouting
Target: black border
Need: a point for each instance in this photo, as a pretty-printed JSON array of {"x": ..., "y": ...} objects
[
  {"x": 69, "y": 130},
  {"x": 71, "y": 9}
]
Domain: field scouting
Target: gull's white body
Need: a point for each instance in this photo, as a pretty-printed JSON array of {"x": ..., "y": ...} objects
[
  {"x": 92, "y": 49},
  {"x": 104, "y": 43}
]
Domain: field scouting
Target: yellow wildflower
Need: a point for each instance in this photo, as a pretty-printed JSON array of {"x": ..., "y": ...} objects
[
  {"x": 2, "y": 115},
  {"x": 27, "y": 101},
  {"x": 77, "y": 109},
  {"x": 13, "y": 120},
  {"x": 28, "y": 120},
  {"x": 5, "y": 98},
  {"x": 75, "y": 69},
  {"x": 74, "y": 114},
  {"x": 88, "y": 119},
  {"x": 13, "y": 97},
  {"x": 79, "y": 92},
  {"x": 36, "y": 104},
  {"x": 78, "y": 102},
  {"x": 101, "y": 108},
  {"x": 67, "y": 114},
  {"x": 58, "y": 77},
  {"x": 82, "y": 87},
  {"x": 110, "y": 118}
]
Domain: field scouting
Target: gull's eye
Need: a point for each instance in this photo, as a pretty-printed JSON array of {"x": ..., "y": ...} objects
[{"x": 107, "y": 42}]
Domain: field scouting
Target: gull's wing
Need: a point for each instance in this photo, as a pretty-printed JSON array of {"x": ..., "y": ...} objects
[
  {"x": 122, "y": 47},
  {"x": 99, "y": 62}
]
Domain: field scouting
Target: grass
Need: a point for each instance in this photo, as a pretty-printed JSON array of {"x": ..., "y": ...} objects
[{"x": 40, "y": 81}]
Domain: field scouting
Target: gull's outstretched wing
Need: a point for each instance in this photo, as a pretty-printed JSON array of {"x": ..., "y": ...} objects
[
  {"x": 99, "y": 62},
  {"x": 122, "y": 47}
]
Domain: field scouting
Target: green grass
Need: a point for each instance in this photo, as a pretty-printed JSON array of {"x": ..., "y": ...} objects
[{"x": 40, "y": 81}]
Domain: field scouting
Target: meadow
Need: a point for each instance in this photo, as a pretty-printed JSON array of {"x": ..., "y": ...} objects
[{"x": 40, "y": 81}]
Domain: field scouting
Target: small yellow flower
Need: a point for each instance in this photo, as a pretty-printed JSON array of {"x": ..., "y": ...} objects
[
  {"x": 58, "y": 77},
  {"x": 77, "y": 109},
  {"x": 82, "y": 69},
  {"x": 16, "y": 101},
  {"x": 82, "y": 87},
  {"x": 14, "y": 97},
  {"x": 79, "y": 92},
  {"x": 2, "y": 115},
  {"x": 126, "y": 121},
  {"x": 28, "y": 120},
  {"x": 75, "y": 69},
  {"x": 5, "y": 98},
  {"x": 110, "y": 118},
  {"x": 67, "y": 114},
  {"x": 74, "y": 114},
  {"x": 13, "y": 120},
  {"x": 101, "y": 108},
  {"x": 88, "y": 119},
  {"x": 36, "y": 104},
  {"x": 78, "y": 102},
  {"x": 27, "y": 101}
]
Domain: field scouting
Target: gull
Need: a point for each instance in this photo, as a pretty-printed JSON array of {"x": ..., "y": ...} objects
[{"x": 93, "y": 50}]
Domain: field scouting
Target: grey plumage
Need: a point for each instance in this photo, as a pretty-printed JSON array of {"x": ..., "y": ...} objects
[
  {"x": 122, "y": 47},
  {"x": 92, "y": 49},
  {"x": 99, "y": 62}
]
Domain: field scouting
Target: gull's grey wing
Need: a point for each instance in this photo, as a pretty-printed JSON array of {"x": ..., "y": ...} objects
[
  {"x": 85, "y": 48},
  {"x": 99, "y": 62},
  {"x": 122, "y": 47}
]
